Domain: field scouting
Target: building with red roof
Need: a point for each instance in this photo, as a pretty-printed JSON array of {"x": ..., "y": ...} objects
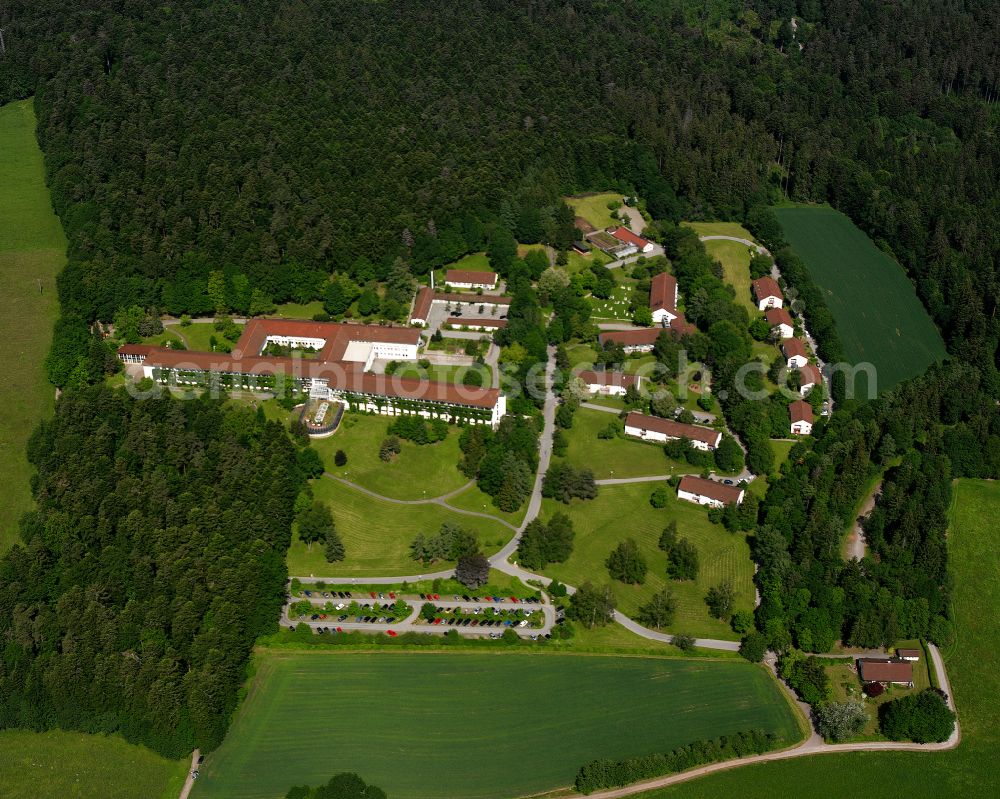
[
  {"x": 655, "y": 428},
  {"x": 795, "y": 352},
  {"x": 886, "y": 670},
  {"x": 466, "y": 279},
  {"x": 767, "y": 293},
  {"x": 663, "y": 298},
  {"x": 626, "y": 236},
  {"x": 779, "y": 319},
  {"x": 610, "y": 383},
  {"x": 800, "y": 414},
  {"x": 809, "y": 376},
  {"x": 709, "y": 492}
]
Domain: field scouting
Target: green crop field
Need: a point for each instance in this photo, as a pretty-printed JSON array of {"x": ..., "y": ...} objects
[
  {"x": 878, "y": 315},
  {"x": 32, "y": 251},
  {"x": 623, "y": 511},
  {"x": 377, "y": 534},
  {"x": 417, "y": 472},
  {"x": 970, "y": 770},
  {"x": 476, "y": 726},
  {"x": 69, "y": 764}
]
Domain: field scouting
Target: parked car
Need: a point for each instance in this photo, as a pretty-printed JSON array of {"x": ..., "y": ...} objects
[
  {"x": 391, "y": 633},
  {"x": 315, "y": 616}
]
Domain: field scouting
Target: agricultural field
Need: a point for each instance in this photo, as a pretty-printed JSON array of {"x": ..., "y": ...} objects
[
  {"x": 878, "y": 315},
  {"x": 614, "y": 457},
  {"x": 623, "y": 511},
  {"x": 309, "y": 715},
  {"x": 377, "y": 534},
  {"x": 32, "y": 252},
  {"x": 594, "y": 208},
  {"x": 970, "y": 769},
  {"x": 417, "y": 472},
  {"x": 69, "y": 764}
]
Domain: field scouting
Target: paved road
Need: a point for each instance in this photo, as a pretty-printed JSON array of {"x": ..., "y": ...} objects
[
  {"x": 657, "y": 251},
  {"x": 636, "y": 222},
  {"x": 760, "y": 249}
]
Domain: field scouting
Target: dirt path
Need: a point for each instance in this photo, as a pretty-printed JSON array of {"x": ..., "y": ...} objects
[
  {"x": 189, "y": 782},
  {"x": 854, "y": 546}
]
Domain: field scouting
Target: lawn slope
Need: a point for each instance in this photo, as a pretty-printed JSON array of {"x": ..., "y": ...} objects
[
  {"x": 878, "y": 315},
  {"x": 68, "y": 764},
  {"x": 476, "y": 726},
  {"x": 32, "y": 251},
  {"x": 970, "y": 770}
]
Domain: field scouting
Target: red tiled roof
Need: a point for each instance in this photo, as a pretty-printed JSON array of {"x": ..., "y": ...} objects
[
  {"x": 681, "y": 326},
  {"x": 809, "y": 375},
  {"x": 663, "y": 293},
  {"x": 909, "y": 653},
  {"x": 778, "y": 316},
  {"x": 607, "y": 378},
  {"x": 800, "y": 411},
  {"x": 766, "y": 287},
  {"x": 793, "y": 346},
  {"x": 673, "y": 429},
  {"x": 136, "y": 349},
  {"x": 422, "y": 303},
  {"x": 879, "y": 670},
  {"x": 488, "y": 299},
  {"x": 712, "y": 489},
  {"x": 465, "y": 276},
  {"x": 632, "y": 338},
  {"x": 628, "y": 237}
]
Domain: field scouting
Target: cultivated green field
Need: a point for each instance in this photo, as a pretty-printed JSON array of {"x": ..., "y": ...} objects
[
  {"x": 968, "y": 771},
  {"x": 476, "y": 726},
  {"x": 417, "y": 472},
  {"x": 623, "y": 511},
  {"x": 32, "y": 251},
  {"x": 68, "y": 764},
  {"x": 377, "y": 534},
  {"x": 878, "y": 315},
  {"x": 594, "y": 208}
]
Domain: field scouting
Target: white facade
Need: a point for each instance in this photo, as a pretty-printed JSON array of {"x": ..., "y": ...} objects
[
  {"x": 701, "y": 499},
  {"x": 769, "y": 302},
  {"x": 608, "y": 391},
  {"x": 805, "y": 388},
  {"x": 663, "y": 438},
  {"x": 786, "y": 331},
  {"x": 473, "y": 286},
  {"x": 801, "y": 428},
  {"x": 297, "y": 342},
  {"x": 662, "y": 316}
]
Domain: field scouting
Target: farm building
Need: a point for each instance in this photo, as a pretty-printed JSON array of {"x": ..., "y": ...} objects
[
  {"x": 801, "y": 414},
  {"x": 340, "y": 370},
  {"x": 795, "y": 352},
  {"x": 653, "y": 428},
  {"x": 582, "y": 247},
  {"x": 809, "y": 377},
  {"x": 886, "y": 670},
  {"x": 614, "y": 247},
  {"x": 464, "y": 279},
  {"x": 709, "y": 492},
  {"x": 663, "y": 298},
  {"x": 779, "y": 319},
  {"x": 911, "y": 655},
  {"x": 609, "y": 383},
  {"x": 626, "y": 236},
  {"x": 767, "y": 293}
]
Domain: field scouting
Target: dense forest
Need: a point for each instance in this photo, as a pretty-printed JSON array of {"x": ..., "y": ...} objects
[{"x": 155, "y": 558}]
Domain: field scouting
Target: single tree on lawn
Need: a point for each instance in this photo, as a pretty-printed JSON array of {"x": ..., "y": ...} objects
[
  {"x": 340, "y": 458},
  {"x": 591, "y": 605},
  {"x": 682, "y": 560},
  {"x": 838, "y": 721},
  {"x": 334, "y": 547},
  {"x": 626, "y": 563},
  {"x": 659, "y": 612},
  {"x": 473, "y": 571},
  {"x": 315, "y": 523},
  {"x": 720, "y": 600},
  {"x": 669, "y": 536}
]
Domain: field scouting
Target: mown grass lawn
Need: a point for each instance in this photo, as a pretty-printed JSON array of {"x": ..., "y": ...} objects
[
  {"x": 445, "y": 373},
  {"x": 968, "y": 771},
  {"x": 734, "y": 229},
  {"x": 474, "y": 499},
  {"x": 594, "y": 208},
  {"x": 474, "y": 725},
  {"x": 69, "y": 764},
  {"x": 879, "y": 317},
  {"x": 417, "y": 472},
  {"x": 32, "y": 252},
  {"x": 377, "y": 534},
  {"x": 623, "y": 511},
  {"x": 735, "y": 260}
]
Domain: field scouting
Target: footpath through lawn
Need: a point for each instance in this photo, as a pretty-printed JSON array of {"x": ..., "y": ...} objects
[{"x": 32, "y": 251}]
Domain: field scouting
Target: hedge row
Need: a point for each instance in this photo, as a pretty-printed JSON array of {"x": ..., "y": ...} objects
[{"x": 616, "y": 773}]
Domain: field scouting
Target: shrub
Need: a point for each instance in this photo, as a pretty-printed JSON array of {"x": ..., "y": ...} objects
[
  {"x": 838, "y": 721},
  {"x": 753, "y": 647},
  {"x": 340, "y": 458},
  {"x": 389, "y": 449},
  {"x": 659, "y": 497},
  {"x": 684, "y": 642}
]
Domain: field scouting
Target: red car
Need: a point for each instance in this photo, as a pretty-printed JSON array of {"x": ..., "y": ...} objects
[
  {"x": 437, "y": 596},
  {"x": 340, "y": 629},
  {"x": 392, "y": 595},
  {"x": 437, "y": 621},
  {"x": 371, "y": 594},
  {"x": 391, "y": 633},
  {"x": 514, "y": 599}
]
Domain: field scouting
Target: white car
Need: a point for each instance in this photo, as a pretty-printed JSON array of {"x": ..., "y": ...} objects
[
  {"x": 523, "y": 623},
  {"x": 340, "y": 606}
]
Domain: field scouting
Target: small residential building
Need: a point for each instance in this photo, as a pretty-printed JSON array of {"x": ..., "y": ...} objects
[
  {"x": 464, "y": 279},
  {"x": 779, "y": 319},
  {"x": 709, "y": 492},
  {"x": 795, "y": 353},
  {"x": 653, "y": 428},
  {"x": 801, "y": 414},
  {"x": 886, "y": 670},
  {"x": 809, "y": 377},
  {"x": 134, "y": 353},
  {"x": 641, "y": 339},
  {"x": 613, "y": 384},
  {"x": 767, "y": 293},
  {"x": 663, "y": 299},
  {"x": 911, "y": 655},
  {"x": 626, "y": 236}
]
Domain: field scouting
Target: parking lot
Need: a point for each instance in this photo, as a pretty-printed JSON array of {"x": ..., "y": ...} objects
[{"x": 470, "y": 615}]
